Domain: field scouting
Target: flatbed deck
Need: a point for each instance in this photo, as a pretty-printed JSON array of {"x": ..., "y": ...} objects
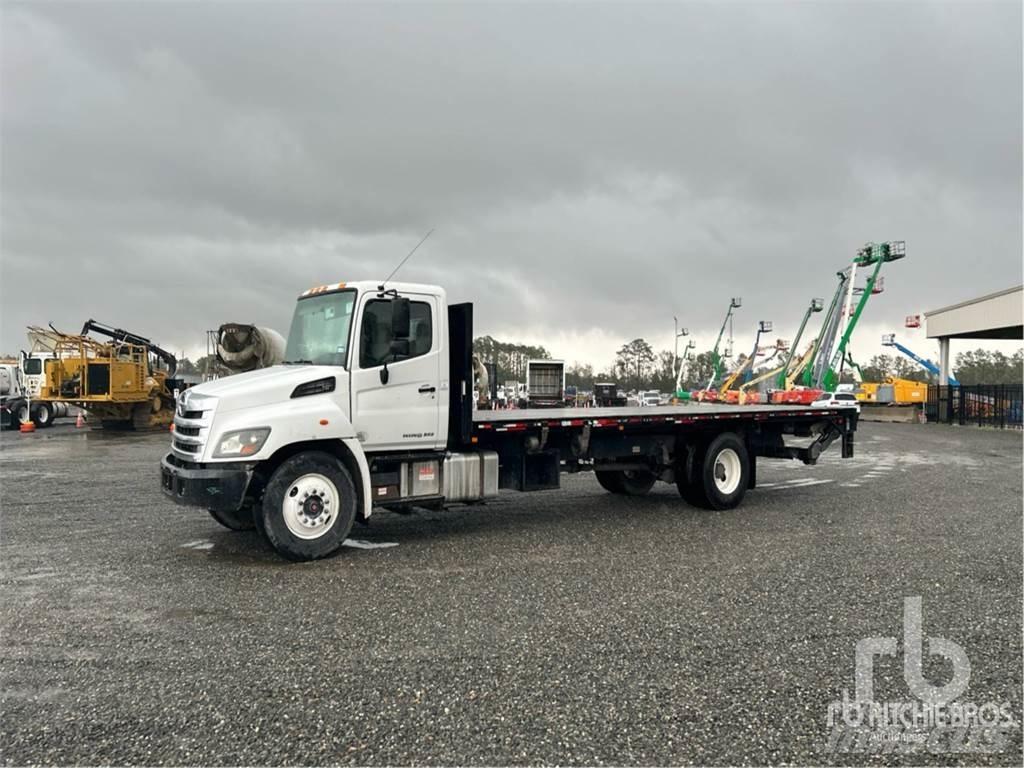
[
  {"x": 648, "y": 414},
  {"x": 655, "y": 431}
]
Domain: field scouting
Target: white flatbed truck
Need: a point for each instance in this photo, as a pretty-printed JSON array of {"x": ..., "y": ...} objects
[{"x": 373, "y": 408}]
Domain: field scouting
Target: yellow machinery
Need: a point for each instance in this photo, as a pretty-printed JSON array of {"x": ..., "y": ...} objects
[
  {"x": 121, "y": 382},
  {"x": 744, "y": 388},
  {"x": 867, "y": 392},
  {"x": 893, "y": 391},
  {"x": 726, "y": 392}
]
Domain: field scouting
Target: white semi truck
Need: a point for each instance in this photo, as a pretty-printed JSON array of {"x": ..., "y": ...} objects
[
  {"x": 373, "y": 407},
  {"x": 20, "y": 385}
]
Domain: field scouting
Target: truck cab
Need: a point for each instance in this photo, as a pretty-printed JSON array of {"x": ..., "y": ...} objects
[
  {"x": 20, "y": 385},
  {"x": 365, "y": 382},
  {"x": 13, "y": 406}
]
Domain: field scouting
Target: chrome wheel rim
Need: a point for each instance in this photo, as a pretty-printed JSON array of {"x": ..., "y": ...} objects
[
  {"x": 311, "y": 506},
  {"x": 728, "y": 470}
]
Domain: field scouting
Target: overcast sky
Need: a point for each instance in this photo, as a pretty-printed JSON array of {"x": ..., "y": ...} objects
[{"x": 590, "y": 171}]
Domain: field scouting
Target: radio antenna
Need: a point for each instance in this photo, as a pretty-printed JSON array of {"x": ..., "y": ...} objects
[{"x": 421, "y": 242}]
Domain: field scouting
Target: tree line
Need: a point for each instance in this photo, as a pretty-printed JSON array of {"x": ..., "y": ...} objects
[
  {"x": 511, "y": 358},
  {"x": 638, "y": 367}
]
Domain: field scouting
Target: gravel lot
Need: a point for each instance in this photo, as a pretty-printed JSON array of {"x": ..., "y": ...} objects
[{"x": 565, "y": 627}]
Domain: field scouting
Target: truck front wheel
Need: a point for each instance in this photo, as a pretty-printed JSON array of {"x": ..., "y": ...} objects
[
  {"x": 309, "y": 506},
  {"x": 235, "y": 519},
  {"x": 625, "y": 482},
  {"x": 721, "y": 474}
]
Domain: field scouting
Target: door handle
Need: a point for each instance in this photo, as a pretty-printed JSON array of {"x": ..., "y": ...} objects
[{"x": 427, "y": 388}]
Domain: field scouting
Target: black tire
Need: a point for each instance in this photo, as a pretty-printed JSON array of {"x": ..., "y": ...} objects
[
  {"x": 626, "y": 482},
  {"x": 610, "y": 480},
  {"x": 257, "y": 522},
  {"x": 21, "y": 414},
  {"x": 728, "y": 490},
  {"x": 336, "y": 524},
  {"x": 43, "y": 417},
  {"x": 692, "y": 493},
  {"x": 234, "y": 520}
]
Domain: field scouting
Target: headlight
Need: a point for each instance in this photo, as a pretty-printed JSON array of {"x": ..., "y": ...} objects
[{"x": 243, "y": 442}]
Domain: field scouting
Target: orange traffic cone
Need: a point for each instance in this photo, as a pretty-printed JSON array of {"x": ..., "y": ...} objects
[
  {"x": 27, "y": 426},
  {"x": 80, "y": 421}
]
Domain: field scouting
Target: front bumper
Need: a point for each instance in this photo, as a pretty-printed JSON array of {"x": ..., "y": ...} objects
[{"x": 211, "y": 486}]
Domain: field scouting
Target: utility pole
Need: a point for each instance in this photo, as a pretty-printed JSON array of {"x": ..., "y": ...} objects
[{"x": 677, "y": 332}]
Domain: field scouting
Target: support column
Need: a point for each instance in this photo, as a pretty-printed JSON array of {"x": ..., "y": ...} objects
[{"x": 943, "y": 361}]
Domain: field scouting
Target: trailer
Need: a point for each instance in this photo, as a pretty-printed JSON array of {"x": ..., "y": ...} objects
[
  {"x": 373, "y": 407},
  {"x": 545, "y": 383}
]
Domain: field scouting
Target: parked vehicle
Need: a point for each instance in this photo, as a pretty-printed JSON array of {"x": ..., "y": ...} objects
[
  {"x": 373, "y": 407},
  {"x": 837, "y": 400},
  {"x": 18, "y": 403},
  {"x": 244, "y": 347},
  {"x": 545, "y": 383},
  {"x": 125, "y": 382},
  {"x": 607, "y": 395},
  {"x": 650, "y": 398}
]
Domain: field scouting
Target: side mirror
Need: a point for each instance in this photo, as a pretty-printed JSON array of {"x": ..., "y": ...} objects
[{"x": 400, "y": 328}]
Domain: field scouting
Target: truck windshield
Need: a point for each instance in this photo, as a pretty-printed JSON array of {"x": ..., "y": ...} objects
[{"x": 320, "y": 329}]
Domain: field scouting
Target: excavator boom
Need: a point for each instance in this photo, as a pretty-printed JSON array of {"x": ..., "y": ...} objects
[{"x": 127, "y": 337}]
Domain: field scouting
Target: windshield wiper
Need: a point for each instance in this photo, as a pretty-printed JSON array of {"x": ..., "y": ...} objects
[{"x": 298, "y": 362}]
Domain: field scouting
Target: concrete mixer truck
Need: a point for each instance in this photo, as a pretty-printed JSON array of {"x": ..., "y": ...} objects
[{"x": 242, "y": 347}]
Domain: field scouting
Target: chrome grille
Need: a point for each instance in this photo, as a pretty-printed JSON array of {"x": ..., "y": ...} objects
[{"x": 192, "y": 420}]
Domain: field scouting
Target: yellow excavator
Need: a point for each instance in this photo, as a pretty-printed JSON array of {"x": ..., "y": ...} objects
[{"x": 127, "y": 382}]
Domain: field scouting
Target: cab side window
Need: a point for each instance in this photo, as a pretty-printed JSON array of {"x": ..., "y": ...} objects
[{"x": 376, "y": 336}]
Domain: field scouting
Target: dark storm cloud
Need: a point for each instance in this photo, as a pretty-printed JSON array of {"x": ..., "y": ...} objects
[{"x": 589, "y": 169}]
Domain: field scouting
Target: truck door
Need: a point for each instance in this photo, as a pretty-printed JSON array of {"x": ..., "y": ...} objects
[{"x": 403, "y": 411}]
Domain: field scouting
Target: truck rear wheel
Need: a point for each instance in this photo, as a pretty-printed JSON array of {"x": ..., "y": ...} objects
[
  {"x": 43, "y": 416},
  {"x": 235, "y": 519},
  {"x": 721, "y": 474},
  {"x": 625, "y": 482},
  {"x": 309, "y": 506}
]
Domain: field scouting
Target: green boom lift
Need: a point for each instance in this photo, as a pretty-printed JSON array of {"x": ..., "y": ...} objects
[
  {"x": 827, "y": 332},
  {"x": 816, "y": 306},
  {"x": 872, "y": 254},
  {"x": 716, "y": 360}
]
